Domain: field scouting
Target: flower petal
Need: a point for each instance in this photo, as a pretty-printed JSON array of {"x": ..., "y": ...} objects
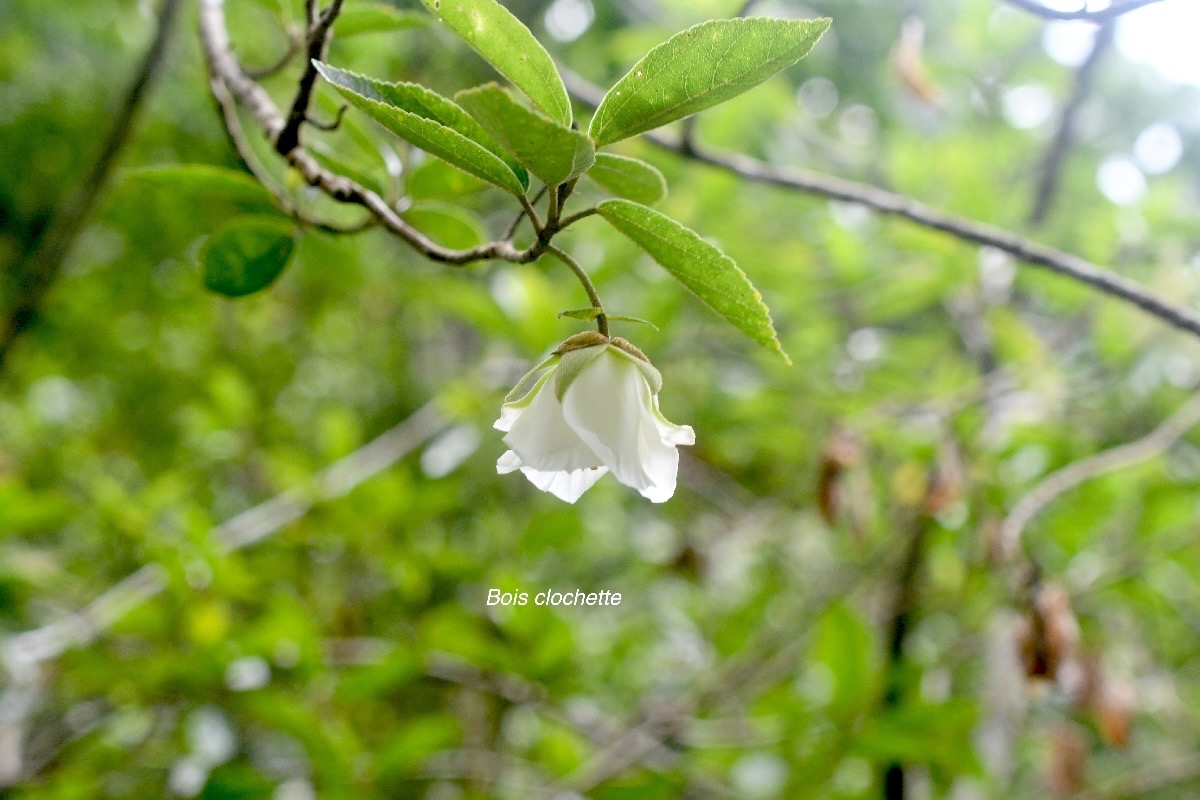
[
  {"x": 541, "y": 438},
  {"x": 605, "y": 406},
  {"x": 508, "y": 415},
  {"x": 509, "y": 412},
  {"x": 660, "y": 459},
  {"x": 509, "y": 462},
  {"x": 564, "y": 485},
  {"x": 670, "y": 432},
  {"x": 568, "y": 486}
]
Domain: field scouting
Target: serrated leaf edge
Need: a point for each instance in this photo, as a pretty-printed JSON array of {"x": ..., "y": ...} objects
[
  {"x": 774, "y": 343},
  {"x": 521, "y": 185}
]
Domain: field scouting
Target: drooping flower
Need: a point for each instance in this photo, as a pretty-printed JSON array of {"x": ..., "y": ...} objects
[{"x": 595, "y": 410}]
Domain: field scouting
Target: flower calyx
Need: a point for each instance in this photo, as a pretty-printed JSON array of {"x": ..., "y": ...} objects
[
  {"x": 580, "y": 341},
  {"x": 577, "y": 352},
  {"x": 593, "y": 338}
]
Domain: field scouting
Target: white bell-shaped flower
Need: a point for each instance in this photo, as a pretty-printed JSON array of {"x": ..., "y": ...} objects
[{"x": 595, "y": 410}]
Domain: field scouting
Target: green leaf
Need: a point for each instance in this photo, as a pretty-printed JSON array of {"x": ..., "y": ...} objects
[
  {"x": 448, "y": 225},
  {"x": 206, "y": 184},
  {"x": 923, "y": 733},
  {"x": 431, "y": 122},
  {"x": 246, "y": 255},
  {"x": 551, "y": 152},
  {"x": 710, "y": 274},
  {"x": 376, "y": 18},
  {"x": 707, "y": 64},
  {"x": 630, "y": 178},
  {"x": 843, "y": 643},
  {"x": 504, "y": 41},
  {"x": 437, "y": 180}
]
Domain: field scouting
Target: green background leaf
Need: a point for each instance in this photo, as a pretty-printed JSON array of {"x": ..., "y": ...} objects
[
  {"x": 431, "y": 122},
  {"x": 630, "y": 178},
  {"x": 207, "y": 184},
  {"x": 503, "y": 40},
  {"x": 246, "y": 255},
  {"x": 701, "y": 267},
  {"x": 447, "y": 224},
  {"x": 358, "y": 19},
  {"x": 844, "y": 645},
  {"x": 138, "y": 411},
  {"x": 695, "y": 69},
  {"x": 551, "y": 152}
]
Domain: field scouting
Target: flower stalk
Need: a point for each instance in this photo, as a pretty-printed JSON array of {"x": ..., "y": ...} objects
[{"x": 588, "y": 286}]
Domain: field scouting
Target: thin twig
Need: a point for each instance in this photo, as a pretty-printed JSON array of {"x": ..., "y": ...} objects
[
  {"x": 293, "y": 49},
  {"x": 1038, "y": 255},
  {"x": 524, "y": 214},
  {"x": 39, "y": 267},
  {"x": 319, "y": 29},
  {"x": 1056, "y": 154},
  {"x": 225, "y": 69},
  {"x": 534, "y": 219},
  {"x": 329, "y": 126},
  {"x": 571, "y": 219},
  {"x": 1064, "y": 480},
  {"x": 236, "y": 135},
  {"x": 1100, "y": 15}
]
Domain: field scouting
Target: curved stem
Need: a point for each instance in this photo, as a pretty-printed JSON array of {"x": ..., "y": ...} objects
[
  {"x": 516, "y": 223},
  {"x": 530, "y": 212},
  {"x": 573, "y": 218},
  {"x": 588, "y": 286},
  {"x": 1058, "y": 483},
  {"x": 552, "y": 210}
]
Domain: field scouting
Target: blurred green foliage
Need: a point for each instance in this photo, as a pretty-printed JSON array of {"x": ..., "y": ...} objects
[{"x": 141, "y": 411}]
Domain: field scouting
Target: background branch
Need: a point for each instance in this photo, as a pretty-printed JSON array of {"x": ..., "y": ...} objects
[
  {"x": 24, "y": 653},
  {"x": 1099, "y": 16},
  {"x": 36, "y": 270},
  {"x": 318, "y": 43},
  {"x": 1050, "y": 172},
  {"x": 1059, "y": 483},
  {"x": 228, "y": 75},
  {"x": 904, "y": 597},
  {"x": 1038, "y": 255}
]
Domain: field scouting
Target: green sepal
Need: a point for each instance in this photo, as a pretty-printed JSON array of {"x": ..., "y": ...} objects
[
  {"x": 591, "y": 313},
  {"x": 572, "y": 364},
  {"x": 649, "y": 372},
  {"x": 627, "y": 318},
  {"x": 511, "y": 397}
]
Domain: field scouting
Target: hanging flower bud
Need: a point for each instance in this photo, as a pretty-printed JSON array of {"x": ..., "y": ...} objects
[{"x": 595, "y": 410}]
